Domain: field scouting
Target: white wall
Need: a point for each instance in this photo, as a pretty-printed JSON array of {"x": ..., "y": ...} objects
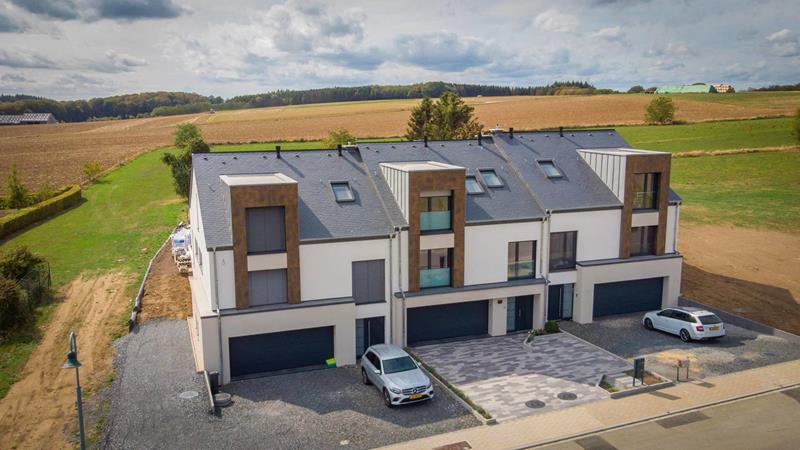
[
  {"x": 673, "y": 219},
  {"x": 598, "y": 232},
  {"x": 486, "y": 250},
  {"x": 326, "y": 269}
]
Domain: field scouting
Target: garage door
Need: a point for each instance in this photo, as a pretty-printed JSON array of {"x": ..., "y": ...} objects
[
  {"x": 448, "y": 321},
  {"x": 627, "y": 296},
  {"x": 260, "y": 353}
]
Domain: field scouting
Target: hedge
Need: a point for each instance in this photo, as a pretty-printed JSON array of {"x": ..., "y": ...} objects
[{"x": 66, "y": 198}]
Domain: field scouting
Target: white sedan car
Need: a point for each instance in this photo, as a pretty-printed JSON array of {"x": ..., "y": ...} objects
[{"x": 688, "y": 323}]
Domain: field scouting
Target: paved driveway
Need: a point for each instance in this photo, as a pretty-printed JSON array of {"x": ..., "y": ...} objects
[
  {"x": 740, "y": 349},
  {"x": 501, "y": 373},
  {"x": 309, "y": 410}
]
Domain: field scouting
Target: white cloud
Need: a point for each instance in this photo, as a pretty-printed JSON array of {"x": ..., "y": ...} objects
[
  {"x": 114, "y": 62},
  {"x": 556, "y": 21},
  {"x": 784, "y": 43},
  {"x": 610, "y": 34}
]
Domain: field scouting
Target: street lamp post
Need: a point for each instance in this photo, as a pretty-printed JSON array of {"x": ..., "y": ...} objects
[{"x": 73, "y": 363}]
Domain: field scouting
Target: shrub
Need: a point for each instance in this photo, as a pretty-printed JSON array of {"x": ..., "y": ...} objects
[
  {"x": 91, "y": 169},
  {"x": 13, "y": 310},
  {"x": 636, "y": 89},
  {"x": 18, "y": 195},
  {"x": 198, "y": 146},
  {"x": 11, "y": 223},
  {"x": 338, "y": 137},
  {"x": 45, "y": 192},
  {"x": 18, "y": 263},
  {"x": 551, "y": 326},
  {"x": 185, "y": 133},
  {"x": 661, "y": 111}
]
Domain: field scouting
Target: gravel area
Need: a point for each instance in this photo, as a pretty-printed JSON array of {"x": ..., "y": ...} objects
[
  {"x": 740, "y": 349},
  {"x": 316, "y": 409}
]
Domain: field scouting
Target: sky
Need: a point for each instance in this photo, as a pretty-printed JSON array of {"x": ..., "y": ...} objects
[{"x": 69, "y": 49}]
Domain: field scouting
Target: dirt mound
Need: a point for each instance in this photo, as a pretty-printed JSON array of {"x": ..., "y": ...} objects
[
  {"x": 39, "y": 410},
  {"x": 752, "y": 273},
  {"x": 166, "y": 292}
]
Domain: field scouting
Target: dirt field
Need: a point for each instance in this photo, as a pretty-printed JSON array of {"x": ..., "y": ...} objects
[
  {"x": 56, "y": 153},
  {"x": 39, "y": 410},
  {"x": 753, "y": 273},
  {"x": 166, "y": 292}
]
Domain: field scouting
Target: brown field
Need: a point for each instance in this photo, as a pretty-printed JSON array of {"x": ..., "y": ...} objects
[{"x": 56, "y": 153}]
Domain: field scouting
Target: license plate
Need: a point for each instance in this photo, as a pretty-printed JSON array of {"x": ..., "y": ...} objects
[
  {"x": 415, "y": 396},
  {"x": 714, "y": 328}
]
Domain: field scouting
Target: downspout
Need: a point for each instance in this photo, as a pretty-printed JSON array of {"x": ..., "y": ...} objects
[
  {"x": 402, "y": 291},
  {"x": 391, "y": 283},
  {"x": 546, "y": 264},
  {"x": 219, "y": 318}
]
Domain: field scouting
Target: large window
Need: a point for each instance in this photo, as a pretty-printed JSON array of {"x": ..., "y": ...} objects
[
  {"x": 369, "y": 281},
  {"x": 434, "y": 213},
  {"x": 643, "y": 241},
  {"x": 563, "y": 249},
  {"x": 645, "y": 188},
  {"x": 491, "y": 178},
  {"x": 549, "y": 168},
  {"x": 521, "y": 256},
  {"x": 266, "y": 230},
  {"x": 342, "y": 191},
  {"x": 434, "y": 267},
  {"x": 473, "y": 185},
  {"x": 267, "y": 287}
]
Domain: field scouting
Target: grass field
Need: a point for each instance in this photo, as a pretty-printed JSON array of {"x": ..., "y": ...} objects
[
  {"x": 125, "y": 217},
  {"x": 757, "y": 190},
  {"x": 710, "y": 136},
  {"x": 56, "y": 153}
]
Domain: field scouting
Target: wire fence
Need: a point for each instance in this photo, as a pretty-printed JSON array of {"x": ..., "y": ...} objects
[{"x": 36, "y": 284}]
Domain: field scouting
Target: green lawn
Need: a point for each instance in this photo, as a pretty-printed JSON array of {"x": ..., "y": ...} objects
[
  {"x": 757, "y": 190},
  {"x": 708, "y": 136},
  {"x": 125, "y": 217}
]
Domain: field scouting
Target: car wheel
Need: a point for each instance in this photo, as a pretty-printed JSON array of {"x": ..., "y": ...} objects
[
  {"x": 364, "y": 378},
  {"x": 648, "y": 324},
  {"x": 685, "y": 336},
  {"x": 387, "y": 399}
]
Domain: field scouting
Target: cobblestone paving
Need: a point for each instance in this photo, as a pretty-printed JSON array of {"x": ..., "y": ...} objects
[{"x": 501, "y": 373}]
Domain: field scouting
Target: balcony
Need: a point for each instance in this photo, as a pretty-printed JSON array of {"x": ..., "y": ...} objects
[
  {"x": 434, "y": 277},
  {"x": 521, "y": 269},
  {"x": 434, "y": 221}
]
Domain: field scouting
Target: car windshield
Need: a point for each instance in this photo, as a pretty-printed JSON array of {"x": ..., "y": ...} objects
[
  {"x": 401, "y": 364},
  {"x": 710, "y": 319}
]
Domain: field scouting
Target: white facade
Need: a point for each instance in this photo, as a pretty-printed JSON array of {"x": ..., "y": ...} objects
[{"x": 486, "y": 250}]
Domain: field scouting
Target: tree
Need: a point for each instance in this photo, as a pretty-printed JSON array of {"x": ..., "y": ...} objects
[
  {"x": 186, "y": 133},
  {"x": 338, "y": 137},
  {"x": 446, "y": 118},
  {"x": 181, "y": 164},
  {"x": 91, "y": 169},
  {"x": 797, "y": 126},
  {"x": 18, "y": 194},
  {"x": 660, "y": 111},
  {"x": 13, "y": 310},
  {"x": 638, "y": 89}
]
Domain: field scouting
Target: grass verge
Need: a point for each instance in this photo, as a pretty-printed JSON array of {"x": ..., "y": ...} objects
[{"x": 478, "y": 408}]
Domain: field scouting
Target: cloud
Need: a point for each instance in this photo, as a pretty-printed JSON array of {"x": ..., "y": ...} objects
[
  {"x": 14, "y": 78},
  {"x": 610, "y": 34},
  {"x": 670, "y": 50},
  {"x": 784, "y": 43},
  {"x": 114, "y": 62},
  {"x": 92, "y": 10},
  {"x": 555, "y": 21},
  {"x": 26, "y": 59},
  {"x": 442, "y": 51},
  {"x": 11, "y": 25}
]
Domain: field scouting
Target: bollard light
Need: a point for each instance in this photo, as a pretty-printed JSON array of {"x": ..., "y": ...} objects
[{"x": 73, "y": 363}]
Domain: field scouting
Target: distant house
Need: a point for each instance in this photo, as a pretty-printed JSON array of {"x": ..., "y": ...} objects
[
  {"x": 723, "y": 88},
  {"x": 27, "y": 119},
  {"x": 700, "y": 88}
]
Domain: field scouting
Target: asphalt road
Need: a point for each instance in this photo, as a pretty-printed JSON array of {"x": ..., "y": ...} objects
[
  {"x": 317, "y": 409},
  {"x": 763, "y": 422}
]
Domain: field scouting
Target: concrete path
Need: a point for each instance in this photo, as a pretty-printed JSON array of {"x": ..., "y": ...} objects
[
  {"x": 597, "y": 416},
  {"x": 503, "y": 375}
]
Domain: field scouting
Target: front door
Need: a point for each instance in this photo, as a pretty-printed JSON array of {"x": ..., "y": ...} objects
[
  {"x": 559, "y": 302},
  {"x": 523, "y": 313},
  {"x": 368, "y": 332}
]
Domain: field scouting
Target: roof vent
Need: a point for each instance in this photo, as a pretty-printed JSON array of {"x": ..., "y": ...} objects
[
  {"x": 297, "y": 155},
  {"x": 511, "y": 132},
  {"x": 561, "y": 131},
  {"x": 278, "y": 151},
  {"x": 480, "y": 139},
  {"x": 339, "y": 149},
  {"x": 235, "y": 157},
  {"x": 425, "y": 139}
]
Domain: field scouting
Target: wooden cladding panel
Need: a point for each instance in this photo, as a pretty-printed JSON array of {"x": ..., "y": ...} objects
[{"x": 646, "y": 164}]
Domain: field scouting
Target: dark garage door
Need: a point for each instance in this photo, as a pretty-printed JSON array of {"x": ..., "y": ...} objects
[
  {"x": 448, "y": 321},
  {"x": 259, "y": 353},
  {"x": 627, "y": 296}
]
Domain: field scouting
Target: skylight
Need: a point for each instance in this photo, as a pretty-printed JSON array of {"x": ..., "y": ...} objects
[
  {"x": 550, "y": 169},
  {"x": 342, "y": 191},
  {"x": 490, "y": 178},
  {"x": 473, "y": 185}
]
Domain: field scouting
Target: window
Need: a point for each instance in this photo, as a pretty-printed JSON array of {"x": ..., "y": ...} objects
[
  {"x": 710, "y": 319},
  {"x": 434, "y": 267},
  {"x": 401, "y": 364},
  {"x": 473, "y": 186},
  {"x": 645, "y": 188},
  {"x": 643, "y": 241},
  {"x": 369, "y": 281},
  {"x": 342, "y": 191},
  {"x": 562, "y": 250},
  {"x": 434, "y": 213},
  {"x": 521, "y": 259},
  {"x": 267, "y": 287},
  {"x": 490, "y": 178},
  {"x": 373, "y": 359},
  {"x": 265, "y": 229},
  {"x": 549, "y": 168}
]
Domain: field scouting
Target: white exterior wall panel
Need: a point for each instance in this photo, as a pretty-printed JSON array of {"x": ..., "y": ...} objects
[
  {"x": 486, "y": 250},
  {"x": 598, "y": 232},
  {"x": 326, "y": 269}
]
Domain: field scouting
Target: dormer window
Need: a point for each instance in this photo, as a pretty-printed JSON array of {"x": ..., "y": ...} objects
[
  {"x": 490, "y": 178},
  {"x": 342, "y": 191},
  {"x": 473, "y": 185},
  {"x": 549, "y": 168}
]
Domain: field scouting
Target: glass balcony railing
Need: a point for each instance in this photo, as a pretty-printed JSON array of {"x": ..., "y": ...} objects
[
  {"x": 434, "y": 220},
  {"x": 521, "y": 269},
  {"x": 434, "y": 277}
]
